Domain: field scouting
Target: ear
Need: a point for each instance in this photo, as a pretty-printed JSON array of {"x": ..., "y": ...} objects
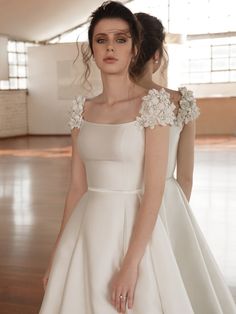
[
  {"x": 135, "y": 51},
  {"x": 156, "y": 61},
  {"x": 156, "y": 57}
]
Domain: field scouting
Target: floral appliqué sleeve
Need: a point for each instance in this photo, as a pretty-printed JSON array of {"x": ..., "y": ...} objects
[
  {"x": 188, "y": 109},
  {"x": 76, "y": 112},
  {"x": 156, "y": 109}
]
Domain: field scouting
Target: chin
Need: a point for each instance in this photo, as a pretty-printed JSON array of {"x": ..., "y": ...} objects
[{"x": 110, "y": 70}]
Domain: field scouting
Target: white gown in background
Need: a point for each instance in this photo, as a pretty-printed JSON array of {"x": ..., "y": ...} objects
[{"x": 177, "y": 274}]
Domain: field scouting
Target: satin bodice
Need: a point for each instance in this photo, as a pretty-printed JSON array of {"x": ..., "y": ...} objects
[{"x": 113, "y": 154}]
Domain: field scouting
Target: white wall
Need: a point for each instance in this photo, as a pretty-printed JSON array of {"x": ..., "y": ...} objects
[{"x": 53, "y": 83}]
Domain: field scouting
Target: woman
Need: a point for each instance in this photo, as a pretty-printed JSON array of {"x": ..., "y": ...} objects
[
  {"x": 113, "y": 253},
  {"x": 107, "y": 253},
  {"x": 204, "y": 283}
]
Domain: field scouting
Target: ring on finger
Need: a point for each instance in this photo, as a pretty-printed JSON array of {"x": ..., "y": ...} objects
[{"x": 123, "y": 297}]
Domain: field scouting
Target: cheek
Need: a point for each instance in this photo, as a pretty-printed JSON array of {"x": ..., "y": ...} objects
[
  {"x": 98, "y": 56},
  {"x": 96, "y": 52},
  {"x": 130, "y": 50},
  {"x": 129, "y": 54},
  {"x": 97, "y": 48}
]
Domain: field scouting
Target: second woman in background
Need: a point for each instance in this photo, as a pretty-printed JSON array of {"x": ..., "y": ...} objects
[{"x": 203, "y": 280}]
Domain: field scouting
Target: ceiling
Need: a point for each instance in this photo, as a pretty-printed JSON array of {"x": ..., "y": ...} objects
[{"x": 40, "y": 20}]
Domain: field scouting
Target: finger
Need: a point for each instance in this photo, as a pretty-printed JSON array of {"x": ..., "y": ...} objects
[
  {"x": 123, "y": 302},
  {"x": 130, "y": 299},
  {"x": 118, "y": 303}
]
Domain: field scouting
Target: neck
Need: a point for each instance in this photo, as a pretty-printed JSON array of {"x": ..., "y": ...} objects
[
  {"x": 145, "y": 80},
  {"x": 116, "y": 87}
]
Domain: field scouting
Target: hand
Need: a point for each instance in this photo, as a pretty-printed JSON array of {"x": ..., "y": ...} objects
[{"x": 124, "y": 283}]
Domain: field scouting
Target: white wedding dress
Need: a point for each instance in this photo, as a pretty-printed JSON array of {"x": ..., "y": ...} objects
[{"x": 177, "y": 274}]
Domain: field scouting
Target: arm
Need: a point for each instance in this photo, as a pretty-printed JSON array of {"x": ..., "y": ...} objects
[
  {"x": 185, "y": 158},
  {"x": 78, "y": 182},
  {"x": 77, "y": 187},
  {"x": 156, "y": 158}
]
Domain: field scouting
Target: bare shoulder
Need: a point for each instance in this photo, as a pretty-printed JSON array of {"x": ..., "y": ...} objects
[{"x": 93, "y": 100}]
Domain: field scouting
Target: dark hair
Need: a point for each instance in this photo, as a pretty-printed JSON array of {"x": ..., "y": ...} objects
[
  {"x": 153, "y": 38},
  {"x": 110, "y": 9}
]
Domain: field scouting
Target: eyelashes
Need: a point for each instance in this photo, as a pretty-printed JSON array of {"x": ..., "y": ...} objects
[
  {"x": 100, "y": 40},
  {"x": 119, "y": 40}
]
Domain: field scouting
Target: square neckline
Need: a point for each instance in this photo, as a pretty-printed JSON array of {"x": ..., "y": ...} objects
[
  {"x": 112, "y": 124},
  {"x": 187, "y": 110},
  {"x": 122, "y": 123}
]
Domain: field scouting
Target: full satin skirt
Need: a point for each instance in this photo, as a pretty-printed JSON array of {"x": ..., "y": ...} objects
[{"x": 177, "y": 274}]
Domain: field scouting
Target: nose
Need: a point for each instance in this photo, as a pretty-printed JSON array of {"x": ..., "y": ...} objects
[{"x": 110, "y": 48}]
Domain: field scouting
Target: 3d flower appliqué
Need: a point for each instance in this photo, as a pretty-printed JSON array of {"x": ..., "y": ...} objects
[
  {"x": 188, "y": 110},
  {"x": 76, "y": 112},
  {"x": 156, "y": 109}
]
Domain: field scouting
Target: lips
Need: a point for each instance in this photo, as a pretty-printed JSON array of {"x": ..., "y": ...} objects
[{"x": 110, "y": 59}]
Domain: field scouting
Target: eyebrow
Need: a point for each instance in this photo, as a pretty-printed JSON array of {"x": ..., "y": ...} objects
[{"x": 125, "y": 32}]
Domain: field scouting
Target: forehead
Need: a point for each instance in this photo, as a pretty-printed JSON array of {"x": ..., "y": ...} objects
[{"x": 112, "y": 25}]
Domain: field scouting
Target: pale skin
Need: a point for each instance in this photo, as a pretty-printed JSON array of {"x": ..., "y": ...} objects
[
  {"x": 185, "y": 153},
  {"x": 77, "y": 187},
  {"x": 120, "y": 102}
]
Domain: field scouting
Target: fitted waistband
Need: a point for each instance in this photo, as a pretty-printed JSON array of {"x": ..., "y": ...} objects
[{"x": 113, "y": 191}]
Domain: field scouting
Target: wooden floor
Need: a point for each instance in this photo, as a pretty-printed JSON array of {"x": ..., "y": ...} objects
[
  {"x": 34, "y": 175},
  {"x": 214, "y": 200}
]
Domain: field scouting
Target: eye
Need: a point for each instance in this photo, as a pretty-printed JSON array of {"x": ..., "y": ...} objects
[
  {"x": 100, "y": 40},
  {"x": 121, "y": 40}
]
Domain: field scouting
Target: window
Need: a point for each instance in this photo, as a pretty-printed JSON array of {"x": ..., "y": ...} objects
[
  {"x": 17, "y": 60},
  {"x": 210, "y": 61}
]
